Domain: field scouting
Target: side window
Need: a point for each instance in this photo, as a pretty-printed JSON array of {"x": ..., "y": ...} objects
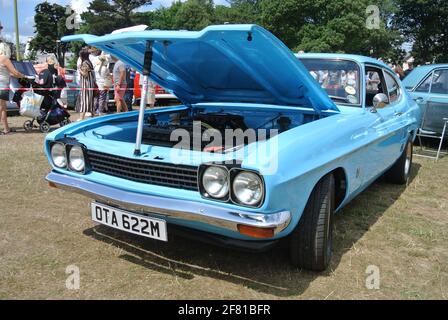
[
  {"x": 440, "y": 82},
  {"x": 392, "y": 87},
  {"x": 424, "y": 87},
  {"x": 374, "y": 84}
]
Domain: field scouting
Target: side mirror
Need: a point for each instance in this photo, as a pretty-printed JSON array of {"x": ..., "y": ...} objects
[{"x": 380, "y": 101}]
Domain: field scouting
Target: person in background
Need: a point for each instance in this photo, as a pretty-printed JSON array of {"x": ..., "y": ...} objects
[
  {"x": 87, "y": 85},
  {"x": 104, "y": 82},
  {"x": 409, "y": 70},
  {"x": 6, "y": 70},
  {"x": 120, "y": 85},
  {"x": 46, "y": 82},
  {"x": 399, "y": 71},
  {"x": 129, "y": 95},
  {"x": 95, "y": 53},
  {"x": 151, "y": 101}
]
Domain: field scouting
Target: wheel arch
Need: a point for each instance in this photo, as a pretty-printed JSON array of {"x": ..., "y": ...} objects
[{"x": 340, "y": 184}]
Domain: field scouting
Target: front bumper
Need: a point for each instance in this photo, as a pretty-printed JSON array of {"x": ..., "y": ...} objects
[{"x": 173, "y": 208}]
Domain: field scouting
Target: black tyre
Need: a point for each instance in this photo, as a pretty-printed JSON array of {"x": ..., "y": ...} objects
[
  {"x": 311, "y": 243},
  {"x": 401, "y": 170},
  {"x": 44, "y": 127},
  {"x": 28, "y": 126}
]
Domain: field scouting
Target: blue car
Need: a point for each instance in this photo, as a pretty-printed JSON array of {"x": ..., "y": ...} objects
[
  {"x": 428, "y": 86},
  {"x": 265, "y": 145}
]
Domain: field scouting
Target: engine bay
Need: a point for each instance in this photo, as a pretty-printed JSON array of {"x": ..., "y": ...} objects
[{"x": 217, "y": 130}]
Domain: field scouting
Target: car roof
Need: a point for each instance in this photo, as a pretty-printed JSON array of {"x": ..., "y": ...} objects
[
  {"x": 417, "y": 75},
  {"x": 355, "y": 57}
]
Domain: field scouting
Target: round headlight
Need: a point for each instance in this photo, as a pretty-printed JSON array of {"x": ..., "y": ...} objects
[
  {"x": 76, "y": 158},
  {"x": 58, "y": 155},
  {"x": 215, "y": 181},
  {"x": 248, "y": 188}
]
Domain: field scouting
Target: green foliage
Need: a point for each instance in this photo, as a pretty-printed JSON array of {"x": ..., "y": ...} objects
[
  {"x": 308, "y": 25},
  {"x": 424, "y": 22},
  {"x": 194, "y": 15},
  {"x": 105, "y": 16},
  {"x": 50, "y": 24},
  {"x": 331, "y": 26}
]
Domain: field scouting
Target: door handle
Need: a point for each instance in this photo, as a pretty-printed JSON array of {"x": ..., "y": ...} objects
[
  {"x": 398, "y": 114},
  {"x": 419, "y": 100}
]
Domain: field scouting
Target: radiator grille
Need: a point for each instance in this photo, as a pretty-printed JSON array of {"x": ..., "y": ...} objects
[{"x": 163, "y": 174}]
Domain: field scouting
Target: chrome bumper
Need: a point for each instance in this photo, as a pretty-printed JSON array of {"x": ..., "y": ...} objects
[{"x": 169, "y": 207}]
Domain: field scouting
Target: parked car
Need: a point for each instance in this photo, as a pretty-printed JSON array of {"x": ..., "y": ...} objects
[
  {"x": 320, "y": 149},
  {"x": 70, "y": 75},
  {"x": 428, "y": 86},
  {"x": 72, "y": 94}
]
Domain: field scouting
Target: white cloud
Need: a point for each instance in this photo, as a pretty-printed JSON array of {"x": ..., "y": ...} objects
[
  {"x": 79, "y": 6},
  {"x": 11, "y": 37},
  {"x": 5, "y": 3}
]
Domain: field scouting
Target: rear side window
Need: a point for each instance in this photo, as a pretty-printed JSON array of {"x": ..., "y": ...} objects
[
  {"x": 392, "y": 88},
  {"x": 425, "y": 85},
  {"x": 440, "y": 82}
]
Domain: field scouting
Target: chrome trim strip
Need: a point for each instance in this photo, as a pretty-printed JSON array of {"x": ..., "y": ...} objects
[{"x": 168, "y": 207}]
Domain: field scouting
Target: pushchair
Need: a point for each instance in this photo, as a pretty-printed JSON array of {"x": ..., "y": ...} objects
[{"x": 50, "y": 113}]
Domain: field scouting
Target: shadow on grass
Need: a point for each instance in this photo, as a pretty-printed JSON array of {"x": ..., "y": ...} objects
[{"x": 268, "y": 272}]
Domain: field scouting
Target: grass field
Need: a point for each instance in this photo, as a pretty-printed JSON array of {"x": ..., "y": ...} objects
[{"x": 402, "y": 231}]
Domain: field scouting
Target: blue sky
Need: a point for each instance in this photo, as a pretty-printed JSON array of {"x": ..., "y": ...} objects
[{"x": 26, "y": 14}]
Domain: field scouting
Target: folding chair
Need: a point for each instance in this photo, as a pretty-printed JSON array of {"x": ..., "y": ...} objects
[{"x": 432, "y": 122}]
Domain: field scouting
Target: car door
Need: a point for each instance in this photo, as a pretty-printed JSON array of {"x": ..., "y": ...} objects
[
  {"x": 387, "y": 129},
  {"x": 421, "y": 93},
  {"x": 437, "y": 101}
]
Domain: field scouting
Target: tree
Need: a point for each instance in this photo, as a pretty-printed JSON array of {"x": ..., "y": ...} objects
[
  {"x": 50, "y": 25},
  {"x": 424, "y": 24},
  {"x": 195, "y": 15},
  {"x": 105, "y": 16},
  {"x": 239, "y": 11},
  {"x": 331, "y": 26}
]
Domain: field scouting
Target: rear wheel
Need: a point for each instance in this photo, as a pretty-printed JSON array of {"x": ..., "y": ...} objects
[
  {"x": 44, "y": 127},
  {"x": 311, "y": 243},
  {"x": 401, "y": 170}
]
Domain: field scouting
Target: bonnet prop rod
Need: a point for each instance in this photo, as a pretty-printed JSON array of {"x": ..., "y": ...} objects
[{"x": 147, "y": 64}]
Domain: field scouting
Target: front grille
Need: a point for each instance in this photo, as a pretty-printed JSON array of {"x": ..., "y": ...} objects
[{"x": 162, "y": 174}]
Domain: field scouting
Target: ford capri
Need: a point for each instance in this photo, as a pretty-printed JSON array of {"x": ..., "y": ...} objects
[{"x": 265, "y": 145}]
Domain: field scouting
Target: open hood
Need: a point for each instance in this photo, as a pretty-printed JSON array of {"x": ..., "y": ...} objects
[{"x": 226, "y": 63}]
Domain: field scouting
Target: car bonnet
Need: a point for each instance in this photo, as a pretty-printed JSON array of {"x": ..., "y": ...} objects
[{"x": 225, "y": 63}]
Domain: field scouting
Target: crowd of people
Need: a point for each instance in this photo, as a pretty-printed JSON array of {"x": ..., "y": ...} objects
[{"x": 98, "y": 73}]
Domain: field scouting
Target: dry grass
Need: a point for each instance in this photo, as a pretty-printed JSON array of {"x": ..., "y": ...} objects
[{"x": 42, "y": 231}]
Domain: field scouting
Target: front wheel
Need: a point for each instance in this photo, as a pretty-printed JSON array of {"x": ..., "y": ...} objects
[
  {"x": 28, "y": 126},
  {"x": 401, "y": 170},
  {"x": 311, "y": 243}
]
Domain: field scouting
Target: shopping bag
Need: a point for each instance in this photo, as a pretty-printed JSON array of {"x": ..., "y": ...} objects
[{"x": 30, "y": 104}]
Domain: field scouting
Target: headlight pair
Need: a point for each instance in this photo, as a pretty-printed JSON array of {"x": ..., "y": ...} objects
[
  {"x": 67, "y": 156},
  {"x": 240, "y": 186}
]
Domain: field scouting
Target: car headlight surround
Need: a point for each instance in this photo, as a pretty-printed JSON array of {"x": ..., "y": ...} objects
[
  {"x": 76, "y": 159},
  {"x": 215, "y": 182},
  {"x": 248, "y": 188},
  {"x": 59, "y": 155}
]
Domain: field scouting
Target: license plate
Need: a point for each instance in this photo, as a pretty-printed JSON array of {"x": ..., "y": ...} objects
[{"x": 129, "y": 222}]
